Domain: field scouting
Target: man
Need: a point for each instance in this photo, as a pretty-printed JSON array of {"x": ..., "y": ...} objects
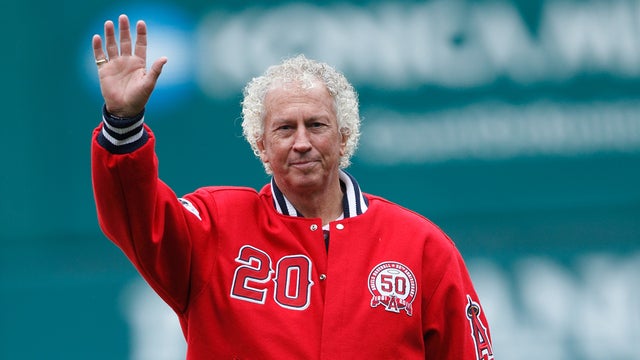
[{"x": 309, "y": 267}]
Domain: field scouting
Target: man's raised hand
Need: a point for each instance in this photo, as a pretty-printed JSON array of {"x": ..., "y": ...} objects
[{"x": 125, "y": 83}]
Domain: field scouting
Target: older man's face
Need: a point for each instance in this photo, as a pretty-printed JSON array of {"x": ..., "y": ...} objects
[{"x": 301, "y": 141}]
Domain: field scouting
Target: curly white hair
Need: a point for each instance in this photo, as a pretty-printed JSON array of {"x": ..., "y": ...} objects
[{"x": 302, "y": 71}]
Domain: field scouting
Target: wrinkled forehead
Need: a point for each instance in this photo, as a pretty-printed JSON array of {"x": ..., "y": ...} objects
[
  {"x": 309, "y": 86},
  {"x": 290, "y": 100}
]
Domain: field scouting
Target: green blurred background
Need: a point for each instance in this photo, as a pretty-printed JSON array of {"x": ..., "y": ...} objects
[{"x": 514, "y": 125}]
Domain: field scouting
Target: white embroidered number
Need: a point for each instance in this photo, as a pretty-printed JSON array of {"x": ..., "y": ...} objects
[
  {"x": 292, "y": 283},
  {"x": 255, "y": 270},
  {"x": 393, "y": 284}
]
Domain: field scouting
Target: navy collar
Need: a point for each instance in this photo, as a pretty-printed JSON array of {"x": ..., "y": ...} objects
[{"x": 353, "y": 201}]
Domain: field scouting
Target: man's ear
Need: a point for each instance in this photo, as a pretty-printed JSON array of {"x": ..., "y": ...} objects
[
  {"x": 343, "y": 142},
  {"x": 262, "y": 151}
]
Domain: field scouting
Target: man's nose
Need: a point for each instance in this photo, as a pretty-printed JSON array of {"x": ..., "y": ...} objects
[{"x": 302, "y": 142}]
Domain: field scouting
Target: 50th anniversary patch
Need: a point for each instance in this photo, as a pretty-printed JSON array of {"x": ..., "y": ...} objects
[{"x": 393, "y": 286}]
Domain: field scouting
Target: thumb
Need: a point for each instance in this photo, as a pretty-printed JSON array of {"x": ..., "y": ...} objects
[{"x": 156, "y": 69}]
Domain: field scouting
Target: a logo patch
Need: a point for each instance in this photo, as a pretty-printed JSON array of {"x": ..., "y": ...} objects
[
  {"x": 479, "y": 334},
  {"x": 393, "y": 286}
]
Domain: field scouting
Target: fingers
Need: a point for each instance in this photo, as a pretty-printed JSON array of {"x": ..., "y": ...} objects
[
  {"x": 141, "y": 40},
  {"x": 125, "y": 40},
  {"x": 96, "y": 43},
  {"x": 110, "y": 39},
  {"x": 125, "y": 35}
]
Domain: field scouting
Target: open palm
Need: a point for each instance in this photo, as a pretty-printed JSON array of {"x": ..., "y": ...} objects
[{"x": 125, "y": 83}]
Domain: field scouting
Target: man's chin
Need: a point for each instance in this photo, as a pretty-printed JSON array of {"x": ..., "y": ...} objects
[{"x": 305, "y": 180}]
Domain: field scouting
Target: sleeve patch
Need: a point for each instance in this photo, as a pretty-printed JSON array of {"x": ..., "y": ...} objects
[
  {"x": 189, "y": 206},
  {"x": 479, "y": 333}
]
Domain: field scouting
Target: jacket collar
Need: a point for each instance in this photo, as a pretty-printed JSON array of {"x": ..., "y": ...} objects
[{"x": 353, "y": 201}]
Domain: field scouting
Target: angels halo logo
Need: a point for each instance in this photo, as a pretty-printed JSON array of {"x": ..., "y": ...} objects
[{"x": 393, "y": 286}]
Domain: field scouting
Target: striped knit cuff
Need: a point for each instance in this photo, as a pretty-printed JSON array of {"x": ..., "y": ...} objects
[{"x": 122, "y": 135}]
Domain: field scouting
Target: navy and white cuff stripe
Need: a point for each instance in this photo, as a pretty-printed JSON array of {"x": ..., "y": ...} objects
[
  {"x": 353, "y": 201},
  {"x": 122, "y": 135}
]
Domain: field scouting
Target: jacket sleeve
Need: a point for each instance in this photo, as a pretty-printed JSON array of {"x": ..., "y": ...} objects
[
  {"x": 455, "y": 323},
  {"x": 141, "y": 215}
]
